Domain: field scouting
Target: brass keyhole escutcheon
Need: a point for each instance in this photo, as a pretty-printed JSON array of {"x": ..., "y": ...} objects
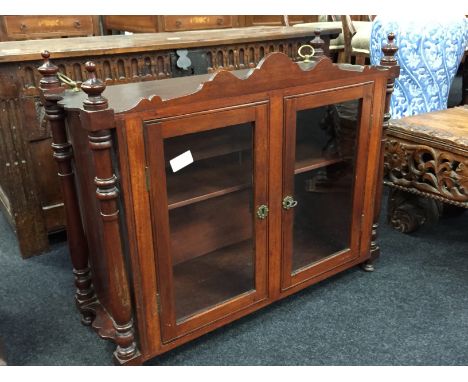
[
  {"x": 306, "y": 57},
  {"x": 289, "y": 202},
  {"x": 262, "y": 211}
]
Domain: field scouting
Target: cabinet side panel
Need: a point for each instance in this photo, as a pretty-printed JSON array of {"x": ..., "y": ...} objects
[{"x": 140, "y": 244}]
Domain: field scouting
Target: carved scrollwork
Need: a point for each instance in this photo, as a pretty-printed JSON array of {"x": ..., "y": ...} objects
[
  {"x": 408, "y": 212},
  {"x": 426, "y": 169}
]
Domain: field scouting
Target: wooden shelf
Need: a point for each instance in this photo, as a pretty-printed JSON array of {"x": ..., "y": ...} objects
[
  {"x": 209, "y": 179},
  {"x": 210, "y": 144},
  {"x": 213, "y": 278},
  {"x": 310, "y": 158}
]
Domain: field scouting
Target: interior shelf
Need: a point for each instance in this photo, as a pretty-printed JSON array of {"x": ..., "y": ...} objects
[
  {"x": 209, "y": 179},
  {"x": 213, "y": 278},
  {"x": 310, "y": 158},
  {"x": 211, "y": 144}
]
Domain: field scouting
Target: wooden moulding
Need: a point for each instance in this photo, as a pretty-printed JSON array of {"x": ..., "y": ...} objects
[{"x": 260, "y": 79}]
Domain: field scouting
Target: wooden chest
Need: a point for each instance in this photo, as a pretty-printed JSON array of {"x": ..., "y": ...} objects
[
  {"x": 194, "y": 201},
  {"x": 29, "y": 192}
]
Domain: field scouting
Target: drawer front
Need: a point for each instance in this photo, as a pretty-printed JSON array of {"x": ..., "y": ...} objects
[
  {"x": 183, "y": 23},
  {"x": 139, "y": 24},
  {"x": 24, "y": 27}
]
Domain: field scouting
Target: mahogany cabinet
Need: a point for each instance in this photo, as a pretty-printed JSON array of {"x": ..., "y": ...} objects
[
  {"x": 194, "y": 201},
  {"x": 30, "y": 194}
]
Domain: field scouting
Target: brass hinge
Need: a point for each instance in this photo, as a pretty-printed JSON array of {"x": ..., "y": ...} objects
[
  {"x": 158, "y": 303},
  {"x": 361, "y": 229},
  {"x": 147, "y": 178}
]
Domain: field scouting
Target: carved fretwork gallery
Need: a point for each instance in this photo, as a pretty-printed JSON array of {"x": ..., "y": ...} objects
[{"x": 193, "y": 201}]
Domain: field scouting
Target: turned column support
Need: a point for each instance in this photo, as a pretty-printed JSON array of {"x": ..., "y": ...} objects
[
  {"x": 99, "y": 122},
  {"x": 389, "y": 60},
  {"x": 51, "y": 93}
]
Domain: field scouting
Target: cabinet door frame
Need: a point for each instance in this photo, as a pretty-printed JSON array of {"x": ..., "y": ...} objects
[
  {"x": 315, "y": 99},
  {"x": 156, "y": 131}
]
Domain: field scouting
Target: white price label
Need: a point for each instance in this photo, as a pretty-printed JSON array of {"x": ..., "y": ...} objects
[{"x": 181, "y": 161}]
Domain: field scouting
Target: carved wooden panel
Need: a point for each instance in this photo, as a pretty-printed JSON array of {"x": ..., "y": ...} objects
[
  {"x": 426, "y": 170},
  {"x": 242, "y": 56},
  {"x": 427, "y": 154}
]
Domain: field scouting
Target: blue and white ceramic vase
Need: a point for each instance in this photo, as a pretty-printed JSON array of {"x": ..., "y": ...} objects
[{"x": 429, "y": 53}]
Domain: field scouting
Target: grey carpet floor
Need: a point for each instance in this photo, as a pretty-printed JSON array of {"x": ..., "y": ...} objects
[{"x": 413, "y": 310}]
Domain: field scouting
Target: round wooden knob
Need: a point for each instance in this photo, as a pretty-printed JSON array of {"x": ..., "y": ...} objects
[
  {"x": 93, "y": 87},
  {"x": 47, "y": 69},
  {"x": 90, "y": 67},
  {"x": 45, "y": 54}
]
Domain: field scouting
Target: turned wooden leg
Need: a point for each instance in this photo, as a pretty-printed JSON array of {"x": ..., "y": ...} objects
[
  {"x": 407, "y": 212},
  {"x": 99, "y": 120},
  {"x": 63, "y": 154}
]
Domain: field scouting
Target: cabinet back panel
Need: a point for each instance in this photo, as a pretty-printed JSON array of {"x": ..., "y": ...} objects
[{"x": 210, "y": 225}]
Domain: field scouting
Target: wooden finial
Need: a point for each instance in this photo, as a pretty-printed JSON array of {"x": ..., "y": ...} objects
[
  {"x": 389, "y": 50},
  {"x": 318, "y": 44},
  {"x": 49, "y": 72},
  {"x": 94, "y": 88}
]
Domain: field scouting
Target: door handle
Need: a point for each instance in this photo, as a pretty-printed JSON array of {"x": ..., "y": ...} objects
[
  {"x": 262, "y": 211},
  {"x": 289, "y": 202}
]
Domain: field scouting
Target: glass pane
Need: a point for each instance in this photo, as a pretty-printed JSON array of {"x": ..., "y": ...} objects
[
  {"x": 210, "y": 215},
  {"x": 323, "y": 181}
]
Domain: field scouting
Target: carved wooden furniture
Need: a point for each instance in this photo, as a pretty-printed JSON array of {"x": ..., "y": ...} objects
[
  {"x": 201, "y": 199},
  {"x": 29, "y": 190},
  {"x": 426, "y": 155},
  {"x": 34, "y": 27},
  {"x": 174, "y": 23},
  {"x": 431, "y": 58}
]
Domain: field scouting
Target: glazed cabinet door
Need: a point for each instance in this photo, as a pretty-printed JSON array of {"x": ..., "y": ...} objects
[
  {"x": 325, "y": 138},
  {"x": 208, "y": 191}
]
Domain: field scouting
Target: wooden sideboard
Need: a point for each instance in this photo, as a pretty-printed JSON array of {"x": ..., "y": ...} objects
[
  {"x": 194, "y": 201},
  {"x": 29, "y": 190},
  {"x": 36, "y": 27},
  {"x": 174, "y": 23}
]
